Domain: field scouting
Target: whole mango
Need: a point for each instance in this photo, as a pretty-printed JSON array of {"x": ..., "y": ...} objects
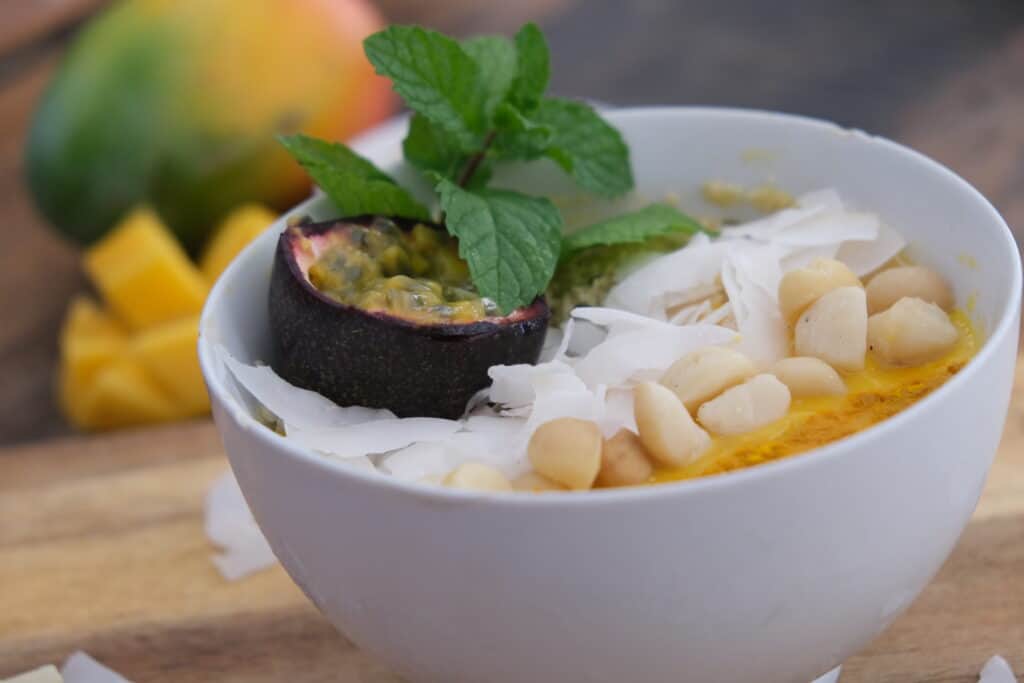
[{"x": 176, "y": 103}]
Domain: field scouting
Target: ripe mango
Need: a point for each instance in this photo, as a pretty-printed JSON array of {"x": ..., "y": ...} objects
[{"x": 176, "y": 104}]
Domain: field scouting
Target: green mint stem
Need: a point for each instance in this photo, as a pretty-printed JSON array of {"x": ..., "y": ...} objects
[{"x": 473, "y": 163}]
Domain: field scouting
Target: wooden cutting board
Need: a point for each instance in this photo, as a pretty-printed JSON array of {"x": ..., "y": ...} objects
[{"x": 102, "y": 549}]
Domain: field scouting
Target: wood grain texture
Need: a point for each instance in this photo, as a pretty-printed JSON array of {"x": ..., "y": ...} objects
[{"x": 102, "y": 548}]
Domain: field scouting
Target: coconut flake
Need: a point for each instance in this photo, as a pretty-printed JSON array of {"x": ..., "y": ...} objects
[
  {"x": 667, "y": 280},
  {"x": 831, "y": 677},
  {"x": 44, "y": 674},
  {"x": 378, "y": 436},
  {"x": 865, "y": 257},
  {"x": 81, "y": 668},
  {"x": 420, "y": 460},
  {"x": 771, "y": 226},
  {"x": 639, "y": 348},
  {"x": 750, "y": 276},
  {"x": 297, "y": 408},
  {"x": 512, "y": 385},
  {"x": 618, "y": 412},
  {"x": 997, "y": 670},
  {"x": 230, "y": 525}
]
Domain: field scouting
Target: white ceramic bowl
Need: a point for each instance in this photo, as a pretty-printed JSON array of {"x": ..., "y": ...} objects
[{"x": 774, "y": 573}]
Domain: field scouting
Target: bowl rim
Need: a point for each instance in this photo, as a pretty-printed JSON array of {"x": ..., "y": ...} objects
[{"x": 384, "y": 134}]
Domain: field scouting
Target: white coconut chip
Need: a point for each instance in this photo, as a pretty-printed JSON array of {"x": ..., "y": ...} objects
[
  {"x": 377, "y": 436},
  {"x": 997, "y": 670},
  {"x": 44, "y": 674},
  {"x": 665, "y": 281},
  {"x": 635, "y": 353},
  {"x": 750, "y": 275},
  {"x": 618, "y": 412},
  {"x": 420, "y": 460},
  {"x": 230, "y": 525},
  {"x": 771, "y": 226},
  {"x": 81, "y": 668},
  {"x": 831, "y": 677},
  {"x": 512, "y": 385},
  {"x": 298, "y": 408},
  {"x": 864, "y": 258}
]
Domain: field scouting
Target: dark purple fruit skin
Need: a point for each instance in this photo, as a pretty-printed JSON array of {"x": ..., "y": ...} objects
[{"x": 380, "y": 361}]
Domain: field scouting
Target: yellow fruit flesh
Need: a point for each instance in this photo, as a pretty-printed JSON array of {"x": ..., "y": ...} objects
[
  {"x": 89, "y": 341},
  {"x": 123, "y": 394},
  {"x": 168, "y": 354},
  {"x": 143, "y": 273},
  {"x": 238, "y": 229},
  {"x": 874, "y": 393}
]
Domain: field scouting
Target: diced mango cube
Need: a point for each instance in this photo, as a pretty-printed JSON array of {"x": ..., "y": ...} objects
[
  {"x": 89, "y": 341},
  {"x": 241, "y": 226},
  {"x": 143, "y": 273},
  {"x": 168, "y": 354},
  {"x": 123, "y": 394},
  {"x": 85, "y": 317}
]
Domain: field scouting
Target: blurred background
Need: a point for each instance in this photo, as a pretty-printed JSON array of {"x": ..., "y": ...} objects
[{"x": 944, "y": 76}]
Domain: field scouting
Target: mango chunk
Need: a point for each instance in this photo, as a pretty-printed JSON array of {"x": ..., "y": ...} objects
[
  {"x": 90, "y": 339},
  {"x": 168, "y": 354},
  {"x": 143, "y": 273},
  {"x": 241, "y": 226},
  {"x": 123, "y": 394}
]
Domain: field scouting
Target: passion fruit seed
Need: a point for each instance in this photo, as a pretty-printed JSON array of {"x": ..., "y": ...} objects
[{"x": 416, "y": 274}]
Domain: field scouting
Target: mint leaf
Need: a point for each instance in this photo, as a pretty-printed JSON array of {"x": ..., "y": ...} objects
[
  {"x": 586, "y": 146},
  {"x": 519, "y": 137},
  {"x": 427, "y": 148},
  {"x": 495, "y": 57},
  {"x": 434, "y": 76},
  {"x": 629, "y": 228},
  {"x": 352, "y": 183},
  {"x": 533, "y": 68},
  {"x": 510, "y": 241}
]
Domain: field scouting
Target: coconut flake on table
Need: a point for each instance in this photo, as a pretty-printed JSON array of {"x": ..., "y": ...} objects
[
  {"x": 997, "y": 670},
  {"x": 81, "y": 668},
  {"x": 230, "y": 525}
]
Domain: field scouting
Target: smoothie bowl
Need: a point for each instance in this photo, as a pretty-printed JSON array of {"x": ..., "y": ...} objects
[{"x": 771, "y": 532}]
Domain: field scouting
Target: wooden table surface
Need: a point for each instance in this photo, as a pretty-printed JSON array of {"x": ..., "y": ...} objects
[{"x": 101, "y": 544}]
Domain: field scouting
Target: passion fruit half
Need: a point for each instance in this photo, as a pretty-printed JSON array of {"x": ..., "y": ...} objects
[{"x": 381, "y": 312}]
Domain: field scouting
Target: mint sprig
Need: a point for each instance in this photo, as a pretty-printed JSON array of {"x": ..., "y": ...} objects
[
  {"x": 353, "y": 184},
  {"x": 654, "y": 220},
  {"x": 475, "y": 104},
  {"x": 511, "y": 241},
  {"x": 435, "y": 77}
]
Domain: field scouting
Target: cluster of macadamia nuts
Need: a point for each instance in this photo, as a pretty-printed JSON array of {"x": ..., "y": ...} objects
[{"x": 900, "y": 316}]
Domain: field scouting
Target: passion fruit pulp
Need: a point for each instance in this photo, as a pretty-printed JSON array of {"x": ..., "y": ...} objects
[{"x": 381, "y": 312}]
